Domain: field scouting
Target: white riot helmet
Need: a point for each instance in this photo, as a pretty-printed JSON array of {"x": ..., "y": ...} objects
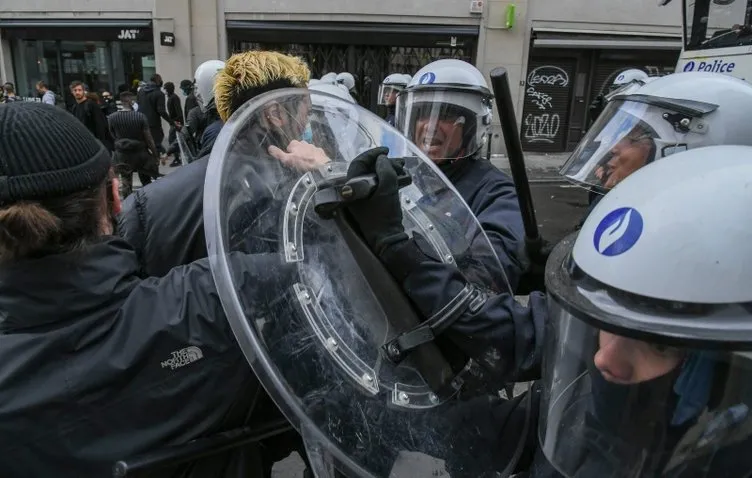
[
  {"x": 391, "y": 87},
  {"x": 337, "y": 90},
  {"x": 204, "y": 78},
  {"x": 667, "y": 115},
  {"x": 330, "y": 77},
  {"x": 443, "y": 96},
  {"x": 346, "y": 79},
  {"x": 628, "y": 76},
  {"x": 647, "y": 360}
]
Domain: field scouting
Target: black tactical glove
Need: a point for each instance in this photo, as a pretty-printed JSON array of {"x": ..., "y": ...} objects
[
  {"x": 379, "y": 217},
  {"x": 534, "y": 278}
]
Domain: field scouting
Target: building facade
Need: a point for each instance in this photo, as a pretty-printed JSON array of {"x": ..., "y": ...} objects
[{"x": 559, "y": 53}]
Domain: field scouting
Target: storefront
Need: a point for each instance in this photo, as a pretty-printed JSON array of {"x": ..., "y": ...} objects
[
  {"x": 370, "y": 51},
  {"x": 567, "y": 71},
  {"x": 104, "y": 54}
]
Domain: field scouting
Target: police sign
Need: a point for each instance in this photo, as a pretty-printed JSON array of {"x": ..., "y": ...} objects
[{"x": 714, "y": 66}]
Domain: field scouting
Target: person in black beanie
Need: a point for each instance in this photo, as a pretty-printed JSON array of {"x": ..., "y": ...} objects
[{"x": 98, "y": 363}]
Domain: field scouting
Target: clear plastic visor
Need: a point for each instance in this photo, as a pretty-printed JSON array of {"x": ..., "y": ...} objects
[
  {"x": 443, "y": 124},
  {"x": 625, "y": 137},
  {"x": 621, "y": 407},
  {"x": 388, "y": 94}
]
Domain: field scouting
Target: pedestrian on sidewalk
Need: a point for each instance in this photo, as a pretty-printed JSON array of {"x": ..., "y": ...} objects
[
  {"x": 90, "y": 114},
  {"x": 135, "y": 150},
  {"x": 175, "y": 112}
]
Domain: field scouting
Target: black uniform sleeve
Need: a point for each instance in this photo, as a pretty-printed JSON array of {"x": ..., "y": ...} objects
[
  {"x": 498, "y": 213},
  {"x": 504, "y": 337}
]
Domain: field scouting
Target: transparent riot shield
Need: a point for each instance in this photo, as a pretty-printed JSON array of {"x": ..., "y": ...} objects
[{"x": 315, "y": 312}]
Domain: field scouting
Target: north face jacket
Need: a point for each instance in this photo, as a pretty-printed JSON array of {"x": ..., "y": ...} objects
[{"x": 100, "y": 364}]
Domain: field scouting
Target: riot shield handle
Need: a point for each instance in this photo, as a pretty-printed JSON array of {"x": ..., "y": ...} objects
[{"x": 327, "y": 200}]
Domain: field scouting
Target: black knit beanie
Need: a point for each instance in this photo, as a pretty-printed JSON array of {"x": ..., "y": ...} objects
[{"x": 46, "y": 152}]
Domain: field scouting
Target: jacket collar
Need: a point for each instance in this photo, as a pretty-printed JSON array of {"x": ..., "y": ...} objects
[{"x": 65, "y": 287}]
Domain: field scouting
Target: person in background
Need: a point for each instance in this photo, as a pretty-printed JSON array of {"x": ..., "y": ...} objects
[
  {"x": 88, "y": 112},
  {"x": 175, "y": 112},
  {"x": 48, "y": 97},
  {"x": 9, "y": 93},
  {"x": 135, "y": 151},
  {"x": 186, "y": 86},
  {"x": 151, "y": 102},
  {"x": 108, "y": 104}
]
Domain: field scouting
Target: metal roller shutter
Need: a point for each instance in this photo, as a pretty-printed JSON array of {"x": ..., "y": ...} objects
[{"x": 548, "y": 98}]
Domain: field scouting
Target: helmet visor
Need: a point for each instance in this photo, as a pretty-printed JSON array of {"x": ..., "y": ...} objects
[
  {"x": 627, "y": 136},
  {"x": 388, "y": 94},
  {"x": 622, "y": 407},
  {"x": 443, "y": 124}
]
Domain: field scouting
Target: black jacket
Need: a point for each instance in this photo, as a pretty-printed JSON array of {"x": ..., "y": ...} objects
[
  {"x": 165, "y": 237},
  {"x": 100, "y": 364},
  {"x": 151, "y": 102},
  {"x": 190, "y": 103},
  {"x": 174, "y": 109},
  {"x": 91, "y": 115}
]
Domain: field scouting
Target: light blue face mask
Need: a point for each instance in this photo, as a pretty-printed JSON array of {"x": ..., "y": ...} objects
[{"x": 307, "y": 135}]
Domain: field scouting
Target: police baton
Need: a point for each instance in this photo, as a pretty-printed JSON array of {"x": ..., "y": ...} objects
[{"x": 503, "y": 96}]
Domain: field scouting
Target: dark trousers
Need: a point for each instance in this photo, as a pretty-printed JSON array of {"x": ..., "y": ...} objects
[
  {"x": 133, "y": 157},
  {"x": 158, "y": 135},
  {"x": 172, "y": 140}
]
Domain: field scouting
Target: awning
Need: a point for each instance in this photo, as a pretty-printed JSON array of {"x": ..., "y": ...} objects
[
  {"x": 73, "y": 22},
  {"x": 589, "y": 40},
  {"x": 353, "y": 33}
]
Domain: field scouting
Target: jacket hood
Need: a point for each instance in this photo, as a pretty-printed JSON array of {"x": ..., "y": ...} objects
[
  {"x": 150, "y": 86},
  {"x": 58, "y": 288}
]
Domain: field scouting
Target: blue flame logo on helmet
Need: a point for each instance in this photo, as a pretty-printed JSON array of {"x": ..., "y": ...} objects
[
  {"x": 618, "y": 232},
  {"x": 427, "y": 78}
]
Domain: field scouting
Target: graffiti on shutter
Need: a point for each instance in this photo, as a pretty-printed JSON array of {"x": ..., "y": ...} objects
[{"x": 548, "y": 89}]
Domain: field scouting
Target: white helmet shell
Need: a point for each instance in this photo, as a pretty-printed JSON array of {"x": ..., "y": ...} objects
[
  {"x": 628, "y": 76},
  {"x": 676, "y": 230},
  {"x": 330, "y": 77},
  {"x": 346, "y": 79},
  {"x": 204, "y": 77},
  {"x": 667, "y": 115},
  {"x": 439, "y": 88},
  {"x": 392, "y": 86},
  {"x": 339, "y": 91},
  {"x": 396, "y": 79}
]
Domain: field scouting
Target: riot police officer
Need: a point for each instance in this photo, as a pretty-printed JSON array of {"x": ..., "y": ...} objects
[
  {"x": 388, "y": 91},
  {"x": 624, "y": 78},
  {"x": 648, "y": 122},
  {"x": 446, "y": 111},
  {"x": 647, "y": 337}
]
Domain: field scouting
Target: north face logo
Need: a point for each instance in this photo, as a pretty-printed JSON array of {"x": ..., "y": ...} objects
[{"x": 183, "y": 357}]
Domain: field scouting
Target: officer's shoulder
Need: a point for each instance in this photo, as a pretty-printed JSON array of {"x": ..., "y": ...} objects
[{"x": 488, "y": 174}]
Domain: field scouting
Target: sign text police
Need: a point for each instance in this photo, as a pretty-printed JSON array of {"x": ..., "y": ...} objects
[{"x": 714, "y": 66}]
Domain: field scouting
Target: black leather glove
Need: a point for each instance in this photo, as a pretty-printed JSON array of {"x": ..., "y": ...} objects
[{"x": 379, "y": 217}]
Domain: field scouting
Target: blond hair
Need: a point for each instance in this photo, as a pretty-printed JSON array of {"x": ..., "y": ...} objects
[{"x": 254, "y": 70}]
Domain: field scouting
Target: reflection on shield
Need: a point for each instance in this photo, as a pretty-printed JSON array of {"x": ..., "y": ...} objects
[{"x": 316, "y": 338}]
